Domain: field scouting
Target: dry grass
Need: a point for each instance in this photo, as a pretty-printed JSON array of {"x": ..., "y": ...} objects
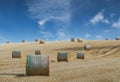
[{"x": 101, "y": 63}]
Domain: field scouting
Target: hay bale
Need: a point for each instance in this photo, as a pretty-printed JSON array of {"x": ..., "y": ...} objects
[
  {"x": 37, "y": 65},
  {"x": 87, "y": 47},
  {"x": 72, "y": 39},
  {"x": 106, "y": 39},
  {"x": 36, "y": 40},
  {"x": 42, "y": 42},
  {"x": 37, "y": 52},
  {"x": 63, "y": 56},
  {"x": 16, "y": 54},
  {"x": 80, "y": 55},
  {"x": 117, "y": 38},
  {"x": 23, "y": 41},
  {"x": 8, "y": 42},
  {"x": 79, "y": 40}
]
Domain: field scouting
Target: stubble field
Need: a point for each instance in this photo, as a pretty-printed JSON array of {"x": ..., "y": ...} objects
[{"x": 101, "y": 63}]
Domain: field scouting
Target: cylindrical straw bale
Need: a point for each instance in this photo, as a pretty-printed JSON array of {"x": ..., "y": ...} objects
[
  {"x": 8, "y": 42},
  {"x": 79, "y": 40},
  {"x": 72, "y": 39},
  {"x": 117, "y": 38},
  {"x": 37, "y": 52},
  {"x": 87, "y": 47},
  {"x": 37, "y": 65},
  {"x": 63, "y": 56},
  {"x": 80, "y": 55},
  {"x": 36, "y": 40},
  {"x": 106, "y": 39},
  {"x": 23, "y": 41},
  {"x": 16, "y": 54},
  {"x": 42, "y": 42}
]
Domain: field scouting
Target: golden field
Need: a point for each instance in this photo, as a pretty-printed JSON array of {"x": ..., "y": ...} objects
[{"x": 101, "y": 63}]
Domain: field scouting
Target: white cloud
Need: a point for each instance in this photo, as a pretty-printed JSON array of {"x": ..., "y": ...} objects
[
  {"x": 46, "y": 34},
  {"x": 99, "y": 17},
  {"x": 61, "y": 35},
  {"x": 57, "y": 11},
  {"x": 87, "y": 35},
  {"x": 106, "y": 21},
  {"x": 42, "y": 22},
  {"x": 116, "y": 24},
  {"x": 50, "y": 10},
  {"x": 99, "y": 37},
  {"x": 112, "y": 15},
  {"x": 106, "y": 31}
]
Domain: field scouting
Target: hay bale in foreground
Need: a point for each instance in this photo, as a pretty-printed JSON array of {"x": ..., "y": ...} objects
[
  {"x": 63, "y": 56},
  {"x": 87, "y": 47},
  {"x": 80, "y": 55},
  {"x": 37, "y": 52},
  {"x": 79, "y": 40},
  {"x": 16, "y": 54},
  {"x": 72, "y": 40},
  {"x": 37, "y": 65},
  {"x": 117, "y": 38}
]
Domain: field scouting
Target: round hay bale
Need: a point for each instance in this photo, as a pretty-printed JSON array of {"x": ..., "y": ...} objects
[
  {"x": 106, "y": 39},
  {"x": 36, "y": 40},
  {"x": 87, "y": 47},
  {"x": 72, "y": 39},
  {"x": 42, "y": 42},
  {"x": 8, "y": 42},
  {"x": 80, "y": 55},
  {"x": 37, "y": 52},
  {"x": 37, "y": 65},
  {"x": 117, "y": 38},
  {"x": 63, "y": 56},
  {"x": 16, "y": 54},
  {"x": 79, "y": 40},
  {"x": 23, "y": 41}
]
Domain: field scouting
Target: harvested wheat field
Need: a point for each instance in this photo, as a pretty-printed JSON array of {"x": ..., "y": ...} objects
[{"x": 101, "y": 63}]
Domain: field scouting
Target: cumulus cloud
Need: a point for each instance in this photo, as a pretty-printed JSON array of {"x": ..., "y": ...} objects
[
  {"x": 116, "y": 24},
  {"x": 99, "y": 17}
]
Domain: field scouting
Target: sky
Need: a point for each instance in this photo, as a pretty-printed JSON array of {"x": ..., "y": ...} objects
[{"x": 51, "y": 20}]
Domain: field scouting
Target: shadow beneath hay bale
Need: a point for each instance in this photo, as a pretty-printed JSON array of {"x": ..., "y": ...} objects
[
  {"x": 53, "y": 61},
  {"x": 17, "y": 75},
  {"x": 20, "y": 75}
]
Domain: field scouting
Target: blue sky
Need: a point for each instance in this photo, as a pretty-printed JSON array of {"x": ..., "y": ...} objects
[{"x": 59, "y": 19}]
